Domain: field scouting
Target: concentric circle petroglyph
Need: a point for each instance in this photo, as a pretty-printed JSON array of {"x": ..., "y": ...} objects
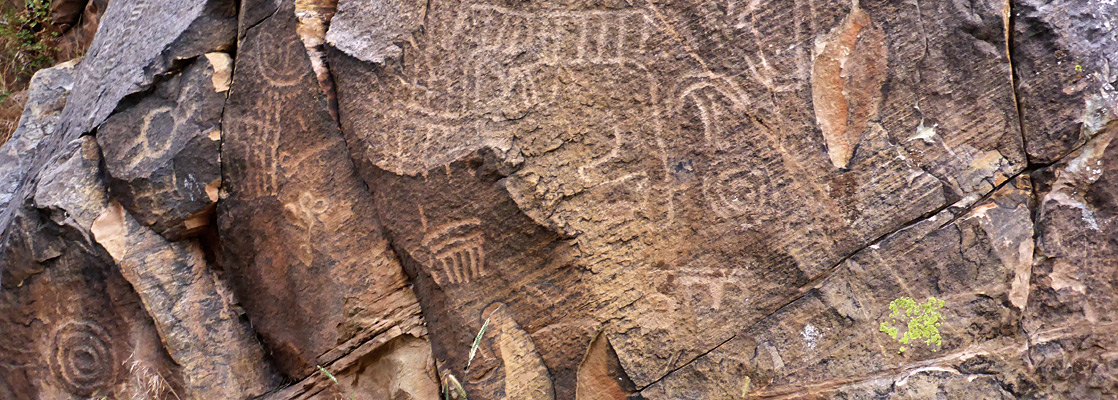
[{"x": 81, "y": 357}]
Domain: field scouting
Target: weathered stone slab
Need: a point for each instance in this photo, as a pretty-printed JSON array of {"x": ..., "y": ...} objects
[
  {"x": 1073, "y": 304},
  {"x": 401, "y": 368},
  {"x": 193, "y": 309},
  {"x": 827, "y": 342},
  {"x": 1064, "y": 53},
  {"x": 72, "y": 326},
  {"x": 162, "y": 152},
  {"x": 299, "y": 238},
  {"x": 138, "y": 40},
  {"x": 676, "y": 172},
  {"x": 46, "y": 97}
]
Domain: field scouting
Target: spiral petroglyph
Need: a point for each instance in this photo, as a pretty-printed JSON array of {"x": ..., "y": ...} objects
[{"x": 81, "y": 357}]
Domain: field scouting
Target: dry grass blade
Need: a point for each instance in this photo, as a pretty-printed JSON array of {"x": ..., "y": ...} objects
[
  {"x": 477, "y": 342},
  {"x": 452, "y": 382}
]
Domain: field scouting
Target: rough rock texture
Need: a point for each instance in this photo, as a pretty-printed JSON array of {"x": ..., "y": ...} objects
[
  {"x": 584, "y": 199},
  {"x": 298, "y": 232},
  {"x": 1065, "y": 72},
  {"x": 162, "y": 153}
]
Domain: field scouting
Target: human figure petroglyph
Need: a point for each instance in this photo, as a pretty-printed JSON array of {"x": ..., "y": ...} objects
[
  {"x": 281, "y": 74},
  {"x": 458, "y": 250}
]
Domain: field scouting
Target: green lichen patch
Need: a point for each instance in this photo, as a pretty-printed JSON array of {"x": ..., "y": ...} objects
[{"x": 921, "y": 321}]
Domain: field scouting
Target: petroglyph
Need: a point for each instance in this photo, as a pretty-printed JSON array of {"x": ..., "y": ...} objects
[
  {"x": 162, "y": 118},
  {"x": 458, "y": 249},
  {"x": 758, "y": 23},
  {"x": 262, "y": 135},
  {"x": 713, "y": 283},
  {"x": 307, "y": 214},
  {"x": 848, "y": 72},
  {"x": 737, "y": 176},
  {"x": 564, "y": 37},
  {"x": 280, "y": 74},
  {"x": 82, "y": 359}
]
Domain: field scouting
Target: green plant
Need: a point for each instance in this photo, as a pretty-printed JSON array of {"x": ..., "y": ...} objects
[
  {"x": 477, "y": 342},
  {"x": 332, "y": 378},
  {"x": 921, "y": 319},
  {"x": 450, "y": 382},
  {"x": 26, "y": 42}
]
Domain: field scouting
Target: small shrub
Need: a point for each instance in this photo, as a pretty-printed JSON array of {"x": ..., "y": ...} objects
[
  {"x": 922, "y": 321},
  {"x": 26, "y": 43}
]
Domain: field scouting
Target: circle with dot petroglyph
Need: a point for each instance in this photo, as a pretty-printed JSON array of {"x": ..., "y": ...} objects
[{"x": 81, "y": 357}]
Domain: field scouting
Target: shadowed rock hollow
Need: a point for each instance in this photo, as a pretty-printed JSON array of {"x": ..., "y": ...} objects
[{"x": 315, "y": 199}]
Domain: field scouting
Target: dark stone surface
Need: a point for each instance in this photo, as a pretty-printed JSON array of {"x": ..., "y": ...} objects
[
  {"x": 299, "y": 235},
  {"x": 161, "y": 153},
  {"x": 1064, "y": 53}
]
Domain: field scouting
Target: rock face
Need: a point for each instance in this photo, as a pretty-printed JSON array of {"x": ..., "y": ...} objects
[{"x": 567, "y": 200}]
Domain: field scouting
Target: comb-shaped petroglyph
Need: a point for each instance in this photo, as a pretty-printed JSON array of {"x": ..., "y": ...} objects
[
  {"x": 81, "y": 357},
  {"x": 458, "y": 250},
  {"x": 847, "y": 75}
]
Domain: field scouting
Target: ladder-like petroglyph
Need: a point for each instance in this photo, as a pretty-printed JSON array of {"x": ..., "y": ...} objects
[{"x": 259, "y": 138}]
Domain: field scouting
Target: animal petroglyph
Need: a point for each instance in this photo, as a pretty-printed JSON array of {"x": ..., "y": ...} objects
[
  {"x": 458, "y": 249},
  {"x": 81, "y": 357}
]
